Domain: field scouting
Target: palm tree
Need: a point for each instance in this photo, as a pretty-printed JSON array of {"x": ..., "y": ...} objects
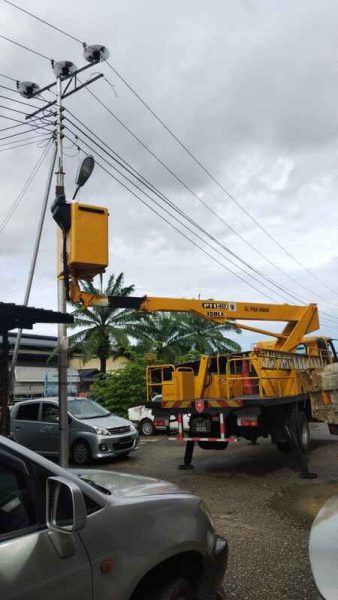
[
  {"x": 168, "y": 335},
  {"x": 205, "y": 337},
  {"x": 157, "y": 333},
  {"x": 104, "y": 330}
]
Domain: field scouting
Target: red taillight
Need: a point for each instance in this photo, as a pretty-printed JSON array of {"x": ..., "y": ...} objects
[
  {"x": 159, "y": 423},
  {"x": 247, "y": 422}
]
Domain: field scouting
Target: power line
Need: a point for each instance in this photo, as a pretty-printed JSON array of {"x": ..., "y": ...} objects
[
  {"x": 19, "y": 101},
  {"x": 7, "y": 77},
  {"x": 2, "y": 149},
  {"x": 175, "y": 208},
  {"x": 25, "y": 188},
  {"x": 72, "y": 37},
  {"x": 217, "y": 182},
  {"x": 23, "y": 132},
  {"x": 25, "y": 47},
  {"x": 176, "y": 228},
  {"x": 232, "y": 229},
  {"x": 178, "y": 140},
  {"x": 15, "y": 142},
  {"x": 155, "y": 190}
]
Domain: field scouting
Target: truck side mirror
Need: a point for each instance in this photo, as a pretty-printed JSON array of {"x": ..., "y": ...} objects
[{"x": 66, "y": 508}]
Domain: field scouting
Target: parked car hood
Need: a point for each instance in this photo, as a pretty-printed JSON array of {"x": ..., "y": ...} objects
[
  {"x": 108, "y": 422},
  {"x": 126, "y": 485}
]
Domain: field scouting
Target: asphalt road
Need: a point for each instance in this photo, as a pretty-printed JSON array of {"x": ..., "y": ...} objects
[{"x": 257, "y": 502}]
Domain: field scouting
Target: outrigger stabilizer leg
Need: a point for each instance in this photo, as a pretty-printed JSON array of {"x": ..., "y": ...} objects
[
  {"x": 189, "y": 451},
  {"x": 303, "y": 460}
]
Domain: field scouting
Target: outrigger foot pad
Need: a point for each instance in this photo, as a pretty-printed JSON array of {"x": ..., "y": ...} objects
[
  {"x": 308, "y": 475},
  {"x": 185, "y": 467}
]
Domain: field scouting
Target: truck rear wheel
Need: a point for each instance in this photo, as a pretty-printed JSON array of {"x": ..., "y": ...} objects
[{"x": 303, "y": 435}]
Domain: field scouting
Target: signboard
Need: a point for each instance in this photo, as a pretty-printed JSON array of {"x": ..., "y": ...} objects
[{"x": 51, "y": 383}]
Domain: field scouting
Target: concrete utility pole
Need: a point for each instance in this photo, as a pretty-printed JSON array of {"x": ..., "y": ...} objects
[
  {"x": 61, "y": 294},
  {"x": 64, "y": 71}
]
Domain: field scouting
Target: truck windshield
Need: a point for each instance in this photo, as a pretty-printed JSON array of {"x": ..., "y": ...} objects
[{"x": 86, "y": 409}]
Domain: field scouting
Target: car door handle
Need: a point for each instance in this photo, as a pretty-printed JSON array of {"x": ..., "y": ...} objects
[{"x": 17, "y": 428}]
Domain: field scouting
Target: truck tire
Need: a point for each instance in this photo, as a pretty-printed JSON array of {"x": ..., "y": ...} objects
[
  {"x": 146, "y": 427},
  {"x": 177, "y": 589},
  {"x": 303, "y": 436},
  {"x": 303, "y": 432}
]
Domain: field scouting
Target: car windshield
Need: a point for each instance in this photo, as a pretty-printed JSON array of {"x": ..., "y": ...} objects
[{"x": 86, "y": 409}]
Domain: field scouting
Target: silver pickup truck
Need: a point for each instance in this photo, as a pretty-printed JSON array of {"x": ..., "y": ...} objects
[{"x": 99, "y": 535}]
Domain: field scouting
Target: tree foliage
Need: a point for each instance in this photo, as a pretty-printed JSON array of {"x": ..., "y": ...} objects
[
  {"x": 103, "y": 330},
  {"x": 123, "y": 388},
  {"x": 168, "y": 335}
]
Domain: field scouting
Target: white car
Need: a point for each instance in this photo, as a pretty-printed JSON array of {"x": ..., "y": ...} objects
[{"x": 147, "y": 424}]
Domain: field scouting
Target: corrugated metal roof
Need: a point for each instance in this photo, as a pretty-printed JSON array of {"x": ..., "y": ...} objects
[{"x": 13, "y": 316}]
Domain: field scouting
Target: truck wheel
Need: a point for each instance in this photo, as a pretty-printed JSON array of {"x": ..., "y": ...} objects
[
  {"x": 147, "y": 427},
  {"x": 303, "y": 433},
  {"x": 303, "y": 436},
  {"x": 178, "y": 589},
  {"x": 81, "y": 453}
]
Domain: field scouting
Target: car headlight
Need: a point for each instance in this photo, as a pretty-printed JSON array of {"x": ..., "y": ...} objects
[
  {"x": 101, "y": 430},
  {"x": 132, "y": 429}
]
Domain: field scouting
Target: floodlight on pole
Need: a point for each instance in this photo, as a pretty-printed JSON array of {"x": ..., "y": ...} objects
[
  {"x": 95, "y": 53},
  {"x": 84, "y": 173},
  {"x": 27, "y": 89},
  {"x": 63, "y": 69}
]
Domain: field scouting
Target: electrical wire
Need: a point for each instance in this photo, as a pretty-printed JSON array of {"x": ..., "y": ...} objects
[
  {"x": 174, "y": 227},
  {"x": 174, "y": 137},
  {"x": 179, "y": 141},
  {"x": 19, "y": 101},
  {"x": 182, "y": 233},
  {"x": 3, "y": 37},
  {"x": 25, "y": 188},
  {"x": 72, "y": 37},
  {"x": 37, "y": 136},
  {"x": 2, "y": 149},
  {"x": 112, "y": 154},
  {"x": 191, "y": 221},
  {"x": 174, "y": 207},
  {"x": 7, "y": 77}
]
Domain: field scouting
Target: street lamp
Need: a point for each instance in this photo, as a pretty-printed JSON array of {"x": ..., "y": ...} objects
[{"x": 84, "y": 173}]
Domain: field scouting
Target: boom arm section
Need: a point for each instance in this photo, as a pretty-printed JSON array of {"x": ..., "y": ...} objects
[{"x": 299, "y": 320}]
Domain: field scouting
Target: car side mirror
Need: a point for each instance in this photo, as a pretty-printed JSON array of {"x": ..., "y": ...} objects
[{"x": 66, "y": 508}]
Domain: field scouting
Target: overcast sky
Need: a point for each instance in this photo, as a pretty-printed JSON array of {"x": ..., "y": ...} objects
[{"x": 250, "y": 87}]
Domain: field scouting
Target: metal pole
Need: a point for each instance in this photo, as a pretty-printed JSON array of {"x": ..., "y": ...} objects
[
  {"x": 61, "y": 295},
  {"x": 33, "y": 264},
  {"x": 4, "y": 388}
]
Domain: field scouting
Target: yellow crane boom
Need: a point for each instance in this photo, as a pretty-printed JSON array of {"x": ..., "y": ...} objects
[{"x": 299, "y": 320}]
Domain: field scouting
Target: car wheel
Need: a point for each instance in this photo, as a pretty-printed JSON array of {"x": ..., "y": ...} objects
[
  {"x": 81, "y": 453},
  {"x": 178, "y": 589},
  {"x": 147, "y": 427}
]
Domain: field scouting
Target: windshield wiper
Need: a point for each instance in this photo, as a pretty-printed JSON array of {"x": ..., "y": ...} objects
[{"x": 97, "y": 486}]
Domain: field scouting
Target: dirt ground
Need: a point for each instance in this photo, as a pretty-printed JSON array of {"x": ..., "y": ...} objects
[{"x": 258, "y": 502}]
